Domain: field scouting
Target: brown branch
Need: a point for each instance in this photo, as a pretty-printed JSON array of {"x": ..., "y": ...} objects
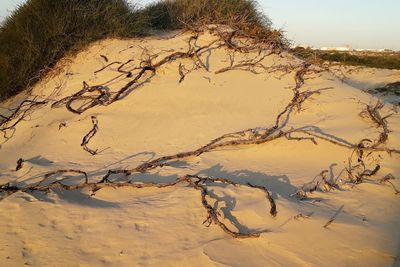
[
  {"x": 19, "y": 113},
  {"x": 92, "y": 96},
  {"x": 106, "y": 66},
  {"x": 104, "y": 57},
  {"x": 103, "y": 97},
  {"x": 374, "y": 113},
  {"x": 20, "y": 162},
  {"x": 387, "y": 179},
  {"x": 332, "y": 219},
  {"x": 249, "y": 65},
  {"x": 196, "y": 182},
  {"x": 182, "y": 72},
  {"x": 89, "y": 136},
  {"x": 320, "y": 182}
]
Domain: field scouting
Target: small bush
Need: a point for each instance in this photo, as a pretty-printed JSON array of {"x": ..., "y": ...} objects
[{"x": 40, "y": 32}]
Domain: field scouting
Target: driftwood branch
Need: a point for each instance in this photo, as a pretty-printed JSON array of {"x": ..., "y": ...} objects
[
  {"x": 106, "y": 66},
  {"x": 91, "y": 96},
  {"x": 387, "y": 179},
  {"x": 196, "y": 182},
  {"x": 104, "y": 57},
  {"x": 19, "y": 114},
  {"x": 20, "y": 162},
  {"x": 89, "y": 136},
  {"x": 332, "y": 219}
]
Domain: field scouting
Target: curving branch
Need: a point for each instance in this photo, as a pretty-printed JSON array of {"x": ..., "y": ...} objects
[
  {"x": 193, "y": 181},
  {"x": 89, "y": 135}
]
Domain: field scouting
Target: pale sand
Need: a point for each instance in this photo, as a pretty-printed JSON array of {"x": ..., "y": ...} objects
[{"x": 163, "y": 227}]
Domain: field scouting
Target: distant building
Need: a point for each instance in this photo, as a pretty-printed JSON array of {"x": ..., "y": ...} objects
[{"x": 381, "y": 50}]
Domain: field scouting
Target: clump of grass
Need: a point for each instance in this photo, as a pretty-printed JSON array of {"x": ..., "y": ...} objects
[{"x": 40, "y": 32}]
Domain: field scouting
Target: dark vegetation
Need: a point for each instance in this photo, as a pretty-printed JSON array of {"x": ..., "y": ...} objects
[
  {"x": 391, "y": 88},
  {"x": 41, "y": 32},
  {"x": 367, "y": 59}
]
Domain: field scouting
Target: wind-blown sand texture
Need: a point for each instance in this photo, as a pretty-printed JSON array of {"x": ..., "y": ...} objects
[{"x": 242, "y": 127}]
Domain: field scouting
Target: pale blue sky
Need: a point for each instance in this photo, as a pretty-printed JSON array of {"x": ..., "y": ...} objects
[{"x": 360, "y": 23}]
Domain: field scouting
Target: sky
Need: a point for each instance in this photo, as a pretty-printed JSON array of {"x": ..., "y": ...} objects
[{"x": 359, "y": 23}]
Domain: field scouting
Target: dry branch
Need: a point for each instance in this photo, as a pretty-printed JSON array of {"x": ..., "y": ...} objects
[
  {"x": 91, "y": 96},
  {"x": 104, "y": 57},
  {"x": 303, "y": 216},
  {"x": 20, "y": 162},
  {"x": 387, "y": 179},
  {"x": 19, "y": 114},
  {"x": 248, "y": 65},
  {"x": 89, "y": 135},
  {"x": 332, "y": 219},
  {"x": 374, "y": 113},
  {"x": 196, "y": 182},
  {"x": 106, "y": 66}
]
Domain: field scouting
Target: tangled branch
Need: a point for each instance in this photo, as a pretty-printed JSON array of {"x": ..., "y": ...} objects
[
  {"x": 193, "y": 181},
  {"x": 91, "y": 96}
]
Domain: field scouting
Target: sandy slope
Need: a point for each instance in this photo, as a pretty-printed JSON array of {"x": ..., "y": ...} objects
[{"x": 163, "y": 227}]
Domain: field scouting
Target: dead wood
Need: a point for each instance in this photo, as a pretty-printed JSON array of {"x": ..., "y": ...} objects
[
  {"x": 20, "y": 113},
  {"x": 193, "y": 181},
  {"x": 303, "y": 216},
  {"x": 320, "y": 182},
  {"x": 91, "y": 96},
  {"x": 61, "y": 125},
  {"x": 104, "y": 57},
  {"x": 106, "y": 66},
  {"x": 387, "y": 179},
  {"x": 332, "y": 219},
  {"x": 374, "y": 113},
  {"x": 20, "y": 162},
  {"x": 247, "y": 65},
  {"x": 183, "y": 71},
  {"x": 89, "y": 135}
]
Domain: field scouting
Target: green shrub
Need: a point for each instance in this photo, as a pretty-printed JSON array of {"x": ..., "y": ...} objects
[{"x": 40, "y": 32}]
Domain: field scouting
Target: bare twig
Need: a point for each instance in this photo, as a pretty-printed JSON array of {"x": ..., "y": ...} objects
[
  {"x": 106, "y": 66},
  {"x": 104, "y": 57},
  {"x": 387, "y": 179},
  {"x": 20, "y": 162},
  {"x": 89, "y": 136},
  {"x": 334, "y": 216},
  {"x": 19, "y": 114}
]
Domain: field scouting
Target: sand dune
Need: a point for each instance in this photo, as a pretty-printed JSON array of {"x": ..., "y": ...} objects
[{"x": 166, "y": 114}]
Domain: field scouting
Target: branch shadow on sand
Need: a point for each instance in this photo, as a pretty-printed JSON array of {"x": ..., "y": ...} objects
[{"x": 278, "y": 185}]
